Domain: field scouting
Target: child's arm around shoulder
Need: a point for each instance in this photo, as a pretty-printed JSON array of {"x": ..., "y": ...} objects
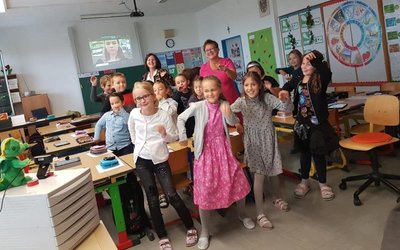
[
  {"x": 237, "y": 105},
  {"x": 283, "y": 103},
  {"x": 131, "y": 124},
  {"x": 184, "y": 116},
  {"x": 168, "y": 129},
  {"x": 100, "y": 124},
  {"x": 230, "y": 117}
]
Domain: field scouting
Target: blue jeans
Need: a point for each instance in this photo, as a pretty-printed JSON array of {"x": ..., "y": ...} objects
[{"x": 146, "y": 171}]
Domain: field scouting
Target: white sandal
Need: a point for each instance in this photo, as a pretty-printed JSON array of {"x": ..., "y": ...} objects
[{"x": 263, "y": 221}]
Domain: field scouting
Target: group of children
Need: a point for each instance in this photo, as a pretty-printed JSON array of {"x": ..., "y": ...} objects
[{"x": 218, "y": 179}]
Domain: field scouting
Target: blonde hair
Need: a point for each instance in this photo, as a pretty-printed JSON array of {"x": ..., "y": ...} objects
[
  {"x": 146, "y": 86},
  {"x": 104, "y": 79},
  {"x": 215, "y": 79}
]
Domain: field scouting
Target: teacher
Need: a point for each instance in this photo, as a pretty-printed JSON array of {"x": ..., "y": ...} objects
[
  {"x": 155, "y": 72},
  {"x": 222, "y": 68}
]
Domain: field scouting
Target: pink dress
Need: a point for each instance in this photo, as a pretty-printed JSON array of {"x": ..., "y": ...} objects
[
  {"x": 218, "y": 179},
  {"x": 228, "y": 85}
]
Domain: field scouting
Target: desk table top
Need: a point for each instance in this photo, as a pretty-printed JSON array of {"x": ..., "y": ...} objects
[
  {"x": 51, "y": 148},
  {"x": 91, "y": 162}
]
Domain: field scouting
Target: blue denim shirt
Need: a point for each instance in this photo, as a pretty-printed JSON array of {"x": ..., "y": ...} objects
[{"x": 116, "y": 125}]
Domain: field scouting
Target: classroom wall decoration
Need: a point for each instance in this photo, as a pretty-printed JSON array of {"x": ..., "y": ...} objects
[
  {"x": 391, "y": 12},
  {"x": 176, "y": 61},
  {"x": 354, "y": 39},
  {"x": 232, "y": 48},
  {"x": 262, "y": 50},
  {"x": 298, "y": 33}
]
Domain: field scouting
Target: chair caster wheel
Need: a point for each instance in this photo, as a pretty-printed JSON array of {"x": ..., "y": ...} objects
[
  {"x": 357, "y": 201},
  {"x": 398, "y": 199},
  {"x": 343, "y": 185},
  {"x": 377, "y": 183}
]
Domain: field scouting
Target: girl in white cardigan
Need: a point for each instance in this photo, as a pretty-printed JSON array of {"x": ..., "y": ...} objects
[{"x": 151, "y": 128}]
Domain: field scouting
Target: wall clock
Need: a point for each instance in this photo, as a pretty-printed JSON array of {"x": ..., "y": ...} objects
[{"x": 170, "y": 43}]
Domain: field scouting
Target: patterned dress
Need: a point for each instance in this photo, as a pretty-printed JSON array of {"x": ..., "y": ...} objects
[
  {"x": 218, "y": 179},
  {"x": 260, "y": 140}
]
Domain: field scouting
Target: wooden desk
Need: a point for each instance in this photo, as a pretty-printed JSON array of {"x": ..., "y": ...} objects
[
  {"x": 85, "y": 121},
  {"x": 53, "y": 129},
  {"x": 99, "y": 239},
  {"x": 73, "y": 144},
  {"x": 128, "y": 160},
  {"x": 109, "y": 180}
]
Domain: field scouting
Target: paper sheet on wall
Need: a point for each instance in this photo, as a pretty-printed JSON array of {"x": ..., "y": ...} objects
[{"x": 391, "y": 12}]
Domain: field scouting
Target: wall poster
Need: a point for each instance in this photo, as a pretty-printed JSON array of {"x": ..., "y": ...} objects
[
  {"x": 354, "y": 39},
  {"x": 296, "y": 24},
  {"x": 232, "y": 49},
  {"x": 262, "y": 50},
  {"x": 178, "y": 60},
  {"x": 391, "y": 13}
]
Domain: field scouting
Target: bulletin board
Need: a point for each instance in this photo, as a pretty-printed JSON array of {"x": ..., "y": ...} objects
[
  {"x": 391, "y": 14},
  {"x": 178, "y": 60},
  {"x": 354, "y": 41},
  {"x": 262, "y": 50},
  {"x": 232, "y": 48},
  {"x": 296, "y": 24}
]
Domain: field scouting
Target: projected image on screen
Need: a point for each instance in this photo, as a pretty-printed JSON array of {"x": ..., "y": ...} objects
[{"x": 109, "y": 50}]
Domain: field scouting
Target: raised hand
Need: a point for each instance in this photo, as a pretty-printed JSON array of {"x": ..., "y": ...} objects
[{"x": 93, "y": 80}]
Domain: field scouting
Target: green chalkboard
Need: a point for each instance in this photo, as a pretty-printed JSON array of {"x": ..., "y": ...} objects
[{"x": 132, "y": 74}]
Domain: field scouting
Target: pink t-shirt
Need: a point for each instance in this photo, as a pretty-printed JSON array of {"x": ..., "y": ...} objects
[{"x": 228, "y": 85}]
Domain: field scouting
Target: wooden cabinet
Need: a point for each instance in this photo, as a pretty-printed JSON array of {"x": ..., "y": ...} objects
[{"x": 30, "y": 103}]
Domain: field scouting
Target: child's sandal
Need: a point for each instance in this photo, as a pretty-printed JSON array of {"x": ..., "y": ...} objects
[
  {"x": 301, "y": 190},
  {"x": 327, "y": 193},
  {"x": 263, "y": 221},
  {"x": 165, "y": 244},
  {"x": 281, "y": 205},
  {"x": 191, "y": 237}
]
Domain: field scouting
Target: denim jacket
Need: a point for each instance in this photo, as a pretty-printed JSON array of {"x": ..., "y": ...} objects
[{"x": 116, "y": 125}]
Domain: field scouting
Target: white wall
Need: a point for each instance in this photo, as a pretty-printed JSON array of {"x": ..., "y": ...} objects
[
  {"x": 151, "y": 32},
  {"x": 42, "y": 56},
  {"x": 287, "y": 6},
  {"x": 242, "y": 17}
]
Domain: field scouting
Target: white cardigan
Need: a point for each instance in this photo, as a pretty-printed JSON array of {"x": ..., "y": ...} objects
[
  {"x": 200, "y": 111},
  {"x": 147, "y": 140}
]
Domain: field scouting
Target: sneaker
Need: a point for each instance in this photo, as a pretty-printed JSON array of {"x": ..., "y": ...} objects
[
  {"x": 247, "y": 222},
  {"x": 203, "y": 243}
]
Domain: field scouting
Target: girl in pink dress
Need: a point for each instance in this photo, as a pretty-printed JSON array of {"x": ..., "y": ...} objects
[{"x": 218, "y": 179}]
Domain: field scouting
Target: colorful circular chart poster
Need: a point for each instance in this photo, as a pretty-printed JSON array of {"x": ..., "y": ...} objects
[
  {"x": 354, "y": 34},
  {"x": 354, "y": 39}
]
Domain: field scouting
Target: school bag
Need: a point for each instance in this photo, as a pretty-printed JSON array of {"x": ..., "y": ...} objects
[{"x": 132, "y": 199}]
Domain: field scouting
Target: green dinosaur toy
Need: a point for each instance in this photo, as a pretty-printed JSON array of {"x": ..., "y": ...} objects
[{"x": 11, "y": 173}]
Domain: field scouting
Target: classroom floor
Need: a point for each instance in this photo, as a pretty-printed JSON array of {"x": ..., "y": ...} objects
[{"x": 310, "y": 224}]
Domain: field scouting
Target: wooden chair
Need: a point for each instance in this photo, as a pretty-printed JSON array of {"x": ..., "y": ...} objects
[
  {"x": 237, "y": 146},
  {"x": 351, "y": 90},
  {"x": 179, "y": 164},
  {"x": 390, "y": 86},
  {"x": 381, "y": 110}
]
